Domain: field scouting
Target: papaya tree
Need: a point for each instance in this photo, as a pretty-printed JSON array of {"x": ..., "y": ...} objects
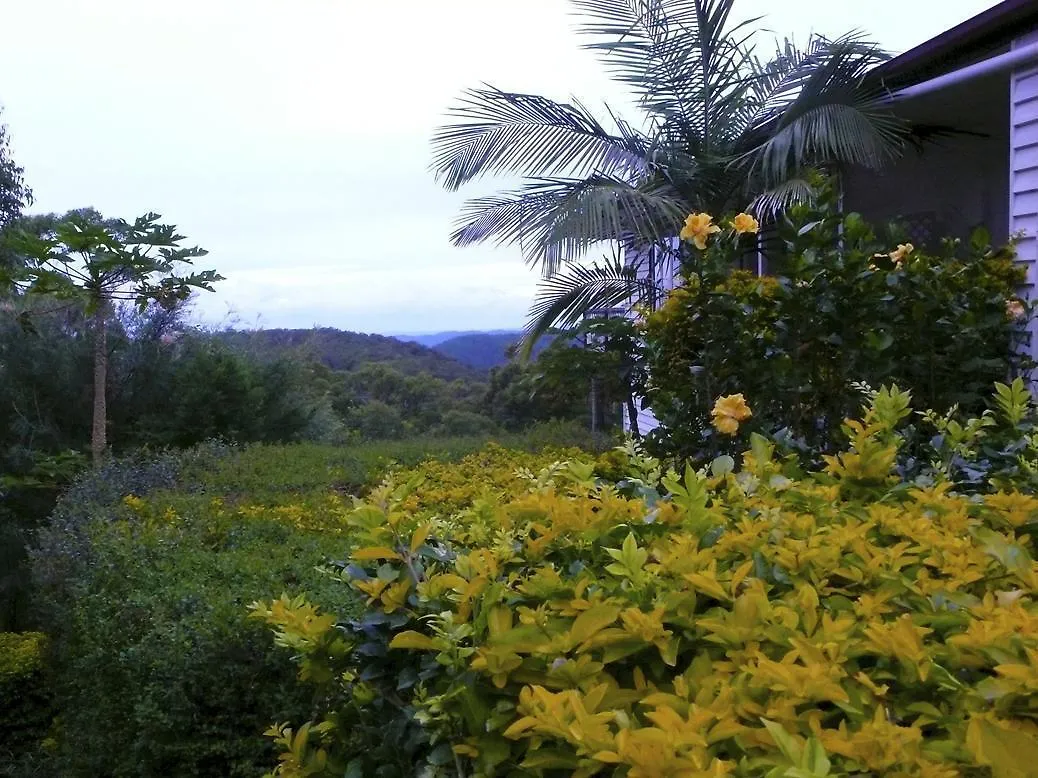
[{"x": 83, "y": 259}]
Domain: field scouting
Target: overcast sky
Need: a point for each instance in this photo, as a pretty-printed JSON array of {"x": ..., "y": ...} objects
[{"x": 291, "y": 137}]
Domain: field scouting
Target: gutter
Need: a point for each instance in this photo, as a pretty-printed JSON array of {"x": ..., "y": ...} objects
[
  {"x": 986, "y": 31},
  {"x": 1009, "y": 61}
]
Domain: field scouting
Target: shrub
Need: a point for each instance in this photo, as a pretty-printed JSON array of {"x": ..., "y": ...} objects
[
  {"x": 29, "y": 487},
  {"x": 461, "y": 422},
  {"x": 840, "y": 307},
  {"x": 706, "y": 623},
  {"x": 25, "y": 705},
  {"x": 142, "y": 580},
  {"x": 494, "y": 472},
  {"x": 143, "y": 575},
  {"x": 376, "y": 420}
]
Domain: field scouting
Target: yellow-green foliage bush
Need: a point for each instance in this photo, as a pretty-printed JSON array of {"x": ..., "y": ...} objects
[
  {"x": 20, "y": 654},
  {"x": 25, "y": 706},
  {"x": 494, "y": 472},
  {"x": 142, "y": 577},
  {"x": 753, "y": 623}
]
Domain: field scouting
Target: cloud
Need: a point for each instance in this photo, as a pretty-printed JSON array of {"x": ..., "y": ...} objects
[{"x": 291, "y": 137}]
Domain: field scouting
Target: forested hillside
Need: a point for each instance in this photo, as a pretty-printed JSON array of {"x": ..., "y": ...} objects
[
  {"x": 481, "y": 350},
  {"x": 342, "y": 350}
]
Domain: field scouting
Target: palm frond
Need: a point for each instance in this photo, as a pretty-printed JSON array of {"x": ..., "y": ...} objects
[
  {"x": 556, "y": 221},
  {"x": 820, "y": 110},
  {"x": 529, "y": 135},
  {"x": 680, "y": 57},
  {"x": 779, "y": 198},
  {"x": 563, "y": 300}
]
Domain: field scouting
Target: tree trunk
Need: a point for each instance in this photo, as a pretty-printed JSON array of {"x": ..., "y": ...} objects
[
  {"x": 632, "y": 416},
  {"x": 594, "y": 406},
  {"x": 99, "y": 435}
]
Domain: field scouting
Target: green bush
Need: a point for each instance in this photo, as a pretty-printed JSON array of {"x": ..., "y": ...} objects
[
  {"x": 28, "y": 491},
  {"x": 25, "y": 704},
  {"x": 840, "y": 307},
  {"x": 143, "y": 575},
  {"x": 459, "y": 422},
  {"x": 142, "y": 578},
  {"x": 156, "y": 672},
  {"x": 759, "y": 623}
]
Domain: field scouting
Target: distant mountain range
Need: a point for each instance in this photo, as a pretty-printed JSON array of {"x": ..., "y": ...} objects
[
  {"x": 433, "y": 339},
  {"x": 446, "y": 355},
  {"x": 480, "y": 350}
]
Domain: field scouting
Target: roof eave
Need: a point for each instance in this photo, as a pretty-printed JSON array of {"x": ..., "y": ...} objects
[{"x": 995, "y": 27}]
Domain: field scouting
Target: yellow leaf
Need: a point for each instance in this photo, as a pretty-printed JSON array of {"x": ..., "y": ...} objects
[
  {"x": 420, "y": 535},
  {"x": 1010, "y": 754},
  {"x": 499, "y": 620},
  {"x": 374, "y": 552},
  {"x": 740, "y": 574},
  {"x": 517, "y": 729},
  {"x": 707, "y": 585},
  {"x": 592, "y": 621},
  {"x": 413, "y": 640},
  {"x": 396, "y": 595}
]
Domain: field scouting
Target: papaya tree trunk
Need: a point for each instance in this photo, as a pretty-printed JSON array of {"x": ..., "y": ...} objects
[
  {"x": 632, "y": 416},
  {"x": 99, "y": 434}
]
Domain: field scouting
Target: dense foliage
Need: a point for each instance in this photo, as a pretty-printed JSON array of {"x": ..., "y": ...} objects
[
  {"x": 348, "y": 351},
  {"x": 841, "y": 305},
  {"x": 167, "y": 388},
  {"x": 143, "y": 575},
  {"x": 174, "y": 386},
  {"x": 592, "y": 371},
  {"x": 698, "y": 624},
  {"x": 25, "y": 705},
  {"x": 380, "y": 401}
]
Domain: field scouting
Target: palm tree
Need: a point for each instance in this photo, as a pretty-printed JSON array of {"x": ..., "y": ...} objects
[{"x": 721, "y": 130}]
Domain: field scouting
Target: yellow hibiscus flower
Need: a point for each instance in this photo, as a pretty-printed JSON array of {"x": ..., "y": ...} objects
[
  {"x": 698, "y": 227},
  {"x": 733, "y": 405},
  {"x": 726, "y": 425},
  {"x": 744, "y": 223},
  {"x": 728, "y": 412},
  {"x": 902, "y": 251}
]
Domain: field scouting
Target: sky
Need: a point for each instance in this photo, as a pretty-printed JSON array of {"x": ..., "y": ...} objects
[{"x": 290, "y": 138}]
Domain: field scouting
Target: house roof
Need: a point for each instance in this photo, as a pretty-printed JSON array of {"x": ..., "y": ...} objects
[{"x": 985, "y": 34}]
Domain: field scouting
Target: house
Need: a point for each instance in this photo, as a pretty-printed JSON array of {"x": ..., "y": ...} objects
[{"x": 979, "y": 80}]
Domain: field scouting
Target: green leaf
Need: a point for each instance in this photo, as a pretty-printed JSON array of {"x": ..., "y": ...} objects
[
  {"x": 787, "y": 745},
  {"x": 441, "y": 755},
  {"x": 815, "y": 758},
  {"x": 762, "y": 448}
]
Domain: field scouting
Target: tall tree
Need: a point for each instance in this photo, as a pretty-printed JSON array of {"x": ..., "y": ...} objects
[
  {"x": 14, "y": 194},
  {"x": 84, "y": 259},
  {"x": 721, "y": 128}
]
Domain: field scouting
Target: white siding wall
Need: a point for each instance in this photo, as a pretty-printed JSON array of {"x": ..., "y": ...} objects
[{"x": 1023, "y": 173}]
